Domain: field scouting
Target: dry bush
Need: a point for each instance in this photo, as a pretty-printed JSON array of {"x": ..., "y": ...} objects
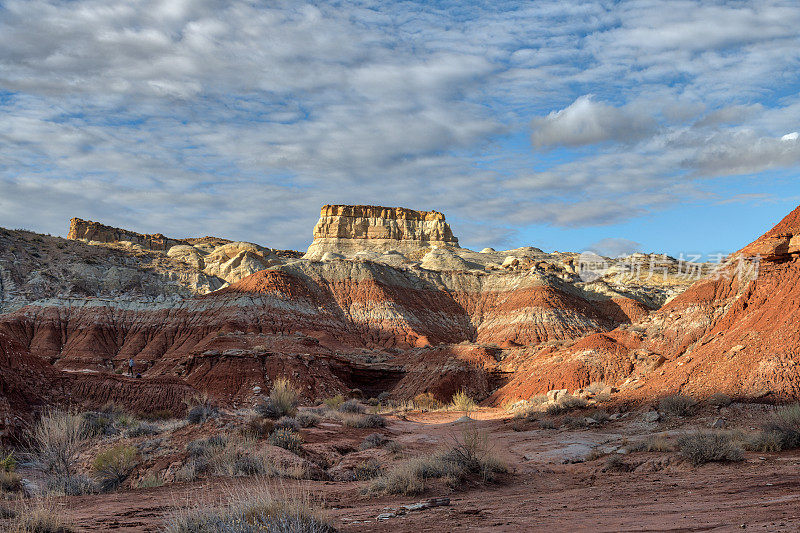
[
  {"x": 286, "y": 422},
  {"x": 55, "y": 441},
  {"x": 369, "y": 469},
  {"x": 677, "y": 405},
  {"x": 307, "y": 419},
  {"x": 150, "y": 481},
  {"x": 10, "y": 482},
  {"x": 373, "y": 440},
  {"x": 363, "y": 421},
  {"x": 252, "y": 511},
  {"x": 462, "y": 401},
  {"x": 352, "y": 406},
  {"x": 282, "y": 401},
  {"x": 41, "y": 515},
  {"x": 709, "y": 446},
  {"x": 257, "y": 427},
  {"x": 142, "y": 429},
  {"x": 786, "y": 422},
  {"x": 426, "y": 402},
  {"x": 764, "y": 441},
  {"x": 333, "y": 402},
  {"x": 287, "y": 439},
  {"x": 114, "y": 465},
  {"x": 466, "y": 457},
  {"x": 566, "y": 404},
  {"x": 615, "y": 463}
]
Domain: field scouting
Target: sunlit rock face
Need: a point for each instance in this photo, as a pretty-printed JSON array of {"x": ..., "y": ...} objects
[{"x": 349, "y": 229}]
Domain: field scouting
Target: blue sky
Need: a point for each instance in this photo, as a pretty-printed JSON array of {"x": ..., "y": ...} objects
[{"x": 656, "y": 125}]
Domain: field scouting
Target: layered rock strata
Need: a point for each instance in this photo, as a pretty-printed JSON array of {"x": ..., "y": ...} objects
[
  {"x": 734, "y": 332},
  {"x": 348, "y": 229}
]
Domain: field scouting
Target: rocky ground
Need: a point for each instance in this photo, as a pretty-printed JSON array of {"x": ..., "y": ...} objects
[{"x": 565, "y": 472}]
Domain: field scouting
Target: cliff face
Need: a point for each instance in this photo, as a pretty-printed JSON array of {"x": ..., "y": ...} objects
[
  {"x": 348, "y": 229},
  {"x": 94, "y": 231},
  {"x": 735, "y": 332}
]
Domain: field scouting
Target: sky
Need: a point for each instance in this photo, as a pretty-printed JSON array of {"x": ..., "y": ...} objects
[{"x": 666, "y": 126}]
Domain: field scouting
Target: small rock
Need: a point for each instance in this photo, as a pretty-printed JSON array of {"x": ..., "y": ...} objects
[
  {"x": 555, "y": 394},
  {"x": 719, "y": 423},
  {"x": 651, "y": 416}
]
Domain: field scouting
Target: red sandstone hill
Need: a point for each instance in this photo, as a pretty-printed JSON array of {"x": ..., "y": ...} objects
[{"x": 735, "y": 333}]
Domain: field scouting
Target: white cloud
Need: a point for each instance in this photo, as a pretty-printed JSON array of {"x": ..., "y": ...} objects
[
  {"x": 588, "y": 122},
  {"x": 242, "y": 118}
]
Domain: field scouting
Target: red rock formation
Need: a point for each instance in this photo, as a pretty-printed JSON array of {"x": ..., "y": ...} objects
[{"x": 735, "y": 332}]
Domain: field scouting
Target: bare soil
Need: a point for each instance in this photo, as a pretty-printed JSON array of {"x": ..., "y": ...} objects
[{"x": 554, "y": 484}]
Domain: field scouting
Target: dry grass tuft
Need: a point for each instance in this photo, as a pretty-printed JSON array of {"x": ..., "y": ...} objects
[
  {"x": 709, "y": 446},
  {"x": 251, "y": 511},
  {"x": 469, "y": 456}
]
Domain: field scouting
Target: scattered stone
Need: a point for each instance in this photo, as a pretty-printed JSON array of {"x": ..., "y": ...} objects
[{"x": 651, "y": 416}]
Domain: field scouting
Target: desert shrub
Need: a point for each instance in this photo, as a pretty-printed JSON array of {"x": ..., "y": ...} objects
[
  {"x": 282, "y": 401},
  {"x": 286, "y": 422},
  {"x": 217, "y": 440},
  {"x": 363, "y": 421},
  {"x": 41, "y": 515},
  {"x": 192, "y": 469},
  {"x": 287, "y": 439},
  {"x": 719, "y": 399},
  {"x": 252, "y": 511},
  {"x": 307, "y": 419},
  {"x": 426, "y": 402},
  {"x": 248, "y": 465},
  {"x": 394, "y": 447},
  {"x": 257, "y": 427},
  {"x": 599, "y": 416},
  {"x": 99, "y": 423},
  {"x": 652, "y": 444},
  {"x": 462, "y": 401},
  {"x": 8, "y": 462},
  {"x": 764, "y": 441},
  {"x": 677, "y": 405},
  {"x": 356, "y": 393},
  {"x": 467, "y": 456},
  {"x": 373, "y": 440},
  {"x": 202, "y": 412},
  {"x": 142, "y": 429},
  {"x": 369, "y": 469},
  {"x": 615, "y": 463},
  {"x": 566, "y": 404},
  {"x": 78, "y": 485},
  {"x": 114, "y": 465},
  {"x": 786, "y": 422},
  {"x": 352, "y": 406},
  {"x": 333, "y": 402},
  {"x": 547, "y": 424},
  {"x": 10, "y": 481},
  {"x": 707, "y": 446},
  {"x": 55, "y": 441},
  {"x": 197, "y": 448},
  {"x": 150, "y": 481}
]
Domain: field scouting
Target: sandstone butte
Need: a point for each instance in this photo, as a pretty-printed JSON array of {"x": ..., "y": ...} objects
[
  {"x": 501, "y": 332},
  {"x": 348, "y": 229}
]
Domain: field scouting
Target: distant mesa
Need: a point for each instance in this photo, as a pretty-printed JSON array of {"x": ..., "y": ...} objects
[
  {"x": 88, "y": 230},
  {"x": 349, "y": 229}
]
